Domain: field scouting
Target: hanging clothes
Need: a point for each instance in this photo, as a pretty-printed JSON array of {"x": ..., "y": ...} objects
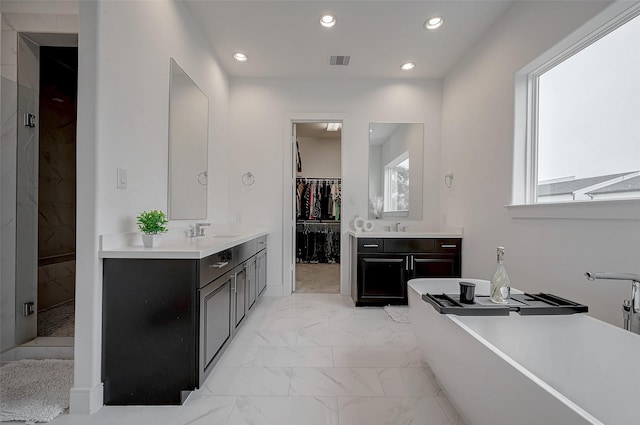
[
  {"x": 318, "y": 216},
  {"x": 317, "y": 199},
  {"x": 298, "y": 158},
  {"x": 317, "y": 242}
]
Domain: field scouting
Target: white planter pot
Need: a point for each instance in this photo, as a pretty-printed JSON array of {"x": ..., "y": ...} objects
[{"x": 150, "y": 241}]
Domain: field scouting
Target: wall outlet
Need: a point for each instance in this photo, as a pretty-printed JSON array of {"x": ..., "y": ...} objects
[
  {"x": 238, "y": 218},
  {"x": 352, "y": 199},
  {"x": 122, "y": 178}
]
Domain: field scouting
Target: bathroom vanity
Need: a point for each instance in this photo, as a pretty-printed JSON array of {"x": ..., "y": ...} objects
[
  {"x": 170, "y": 312},
  {"x": 383, "y": 263}
]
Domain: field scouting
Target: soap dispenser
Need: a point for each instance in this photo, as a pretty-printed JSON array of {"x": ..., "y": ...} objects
[{"x": 500, "y": 284}]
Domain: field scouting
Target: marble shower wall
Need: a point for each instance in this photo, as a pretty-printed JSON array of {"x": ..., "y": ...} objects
[
  {"x": 56, "y": 284},
  {"x": 12, "y": 24}
]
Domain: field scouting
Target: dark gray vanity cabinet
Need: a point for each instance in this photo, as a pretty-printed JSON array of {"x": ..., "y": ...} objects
[
  {"x": 381, "y": 267},
  {"x": 166, "y": 322},
  {"x": 150, "y": 330}
]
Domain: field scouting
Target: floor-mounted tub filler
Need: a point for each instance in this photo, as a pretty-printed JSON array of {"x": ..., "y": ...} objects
[{"x": 528, "y": 370}]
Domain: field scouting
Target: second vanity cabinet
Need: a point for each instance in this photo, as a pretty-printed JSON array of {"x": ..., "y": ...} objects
[
  {"x": 166, "y": 322},
  {"x": 381, "y": 267}
]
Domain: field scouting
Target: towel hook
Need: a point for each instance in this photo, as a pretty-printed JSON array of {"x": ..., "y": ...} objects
[
  {"x": 248, "y": 178},
  {"x": 448, "y": 180}
]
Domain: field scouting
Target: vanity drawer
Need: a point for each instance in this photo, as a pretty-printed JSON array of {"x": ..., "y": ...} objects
[
  {"x": 261, "y": 243},
  {"x": 409, "y": 245},
  {"x": 242, "y": 253},
  {"x": 370, "y": 245},
  {"x": 215, "y": 265},
  {"x": 448, "y": 245}
]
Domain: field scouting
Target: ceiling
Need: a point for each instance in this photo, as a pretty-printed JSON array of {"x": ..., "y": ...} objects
[
  {"x": 284, "y": 39},
  {"x": 316, "y": 130}
]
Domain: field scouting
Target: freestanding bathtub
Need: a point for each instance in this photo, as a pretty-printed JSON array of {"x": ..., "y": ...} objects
[{"x": 528, "y": 370}]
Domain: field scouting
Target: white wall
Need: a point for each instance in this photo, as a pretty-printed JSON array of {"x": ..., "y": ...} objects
[
  {"x": 320, "y": 157},
  {"x": 260, "y": 111},
  {"x": 477, "y": 132},
  {"x": 124, "y": 51}
]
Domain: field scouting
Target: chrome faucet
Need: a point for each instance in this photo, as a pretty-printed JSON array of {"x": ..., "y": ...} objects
[
  {"x": 396, "y": 227},
  {"x": 199, "y": 230},
  {"x": 630, "y": 308}
]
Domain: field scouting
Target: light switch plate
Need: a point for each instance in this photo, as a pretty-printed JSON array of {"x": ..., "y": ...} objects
[{"x": 122, "y": 178}]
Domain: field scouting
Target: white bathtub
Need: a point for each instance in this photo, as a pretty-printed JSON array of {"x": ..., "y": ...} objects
[{"x": 528, "y": 370}]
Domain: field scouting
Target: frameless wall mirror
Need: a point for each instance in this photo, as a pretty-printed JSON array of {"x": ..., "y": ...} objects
[
  {"x": 395, "y": 171},
  {"x": 188, "y": 140}
]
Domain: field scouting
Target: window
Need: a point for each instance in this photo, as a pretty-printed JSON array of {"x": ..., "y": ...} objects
[
  {"x": 396, "y": 184},
  {"x": 583, "y": 129}
]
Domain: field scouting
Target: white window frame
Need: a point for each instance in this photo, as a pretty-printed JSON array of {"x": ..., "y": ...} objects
[{"x": 525, "y": 166}]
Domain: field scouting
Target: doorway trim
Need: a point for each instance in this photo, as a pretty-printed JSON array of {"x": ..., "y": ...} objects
[{"x": 288, "y": 181}]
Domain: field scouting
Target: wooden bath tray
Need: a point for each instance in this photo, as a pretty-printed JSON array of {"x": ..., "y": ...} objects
[{"x": 524, "y": 304}]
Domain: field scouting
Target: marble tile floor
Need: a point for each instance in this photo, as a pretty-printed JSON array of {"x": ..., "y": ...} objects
[{"x": 306, "y": 359}]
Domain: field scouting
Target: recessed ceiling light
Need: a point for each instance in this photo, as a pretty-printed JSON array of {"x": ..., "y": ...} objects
[
  {"x": 334, "y": 126},
  {"x": 434, "y": 22},
  {"x": 328, "y": 21},
  {"x": 240, "y": 57},
  {"x": 407, "y": 66}
]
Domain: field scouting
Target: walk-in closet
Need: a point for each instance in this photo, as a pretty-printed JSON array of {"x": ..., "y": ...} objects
[{"x": 318, "y": 207}]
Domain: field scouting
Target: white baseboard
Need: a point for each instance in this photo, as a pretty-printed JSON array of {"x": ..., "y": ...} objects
[
  {"x": 86, "y": 401},
  {"x": 40, "y": 348}
]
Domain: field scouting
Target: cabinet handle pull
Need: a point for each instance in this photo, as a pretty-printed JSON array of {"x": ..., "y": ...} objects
[
  {"x": 406, "y": 262},
  {"x": 219, "y": 265},
  {"x": 448, "y": 246},
  {"x": 371, "y": 245},
  {"x": 412, "y": 262}
]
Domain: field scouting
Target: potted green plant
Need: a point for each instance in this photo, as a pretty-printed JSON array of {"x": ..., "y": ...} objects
[{"x": 152, "y": 224}]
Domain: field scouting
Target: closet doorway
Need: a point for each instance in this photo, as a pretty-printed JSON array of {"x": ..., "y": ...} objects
[{"x": 318, "y": 206}]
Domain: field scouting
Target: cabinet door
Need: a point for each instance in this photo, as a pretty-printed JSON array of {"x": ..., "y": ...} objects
[
  {"x": 252, "y": 284},
  {"x": 435, "y": 265},
  {"x": 261, "y": 270},
  {"x": 240, "y": 294},
  {"x": 216, "y": 320},
  {"x": 382, "y": 279}
]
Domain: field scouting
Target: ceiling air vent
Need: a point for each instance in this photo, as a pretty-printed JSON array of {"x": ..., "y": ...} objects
[{"x": 340, "y": 60}]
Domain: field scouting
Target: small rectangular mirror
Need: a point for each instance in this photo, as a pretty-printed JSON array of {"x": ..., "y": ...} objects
[
  {"x": 188, "y": 142},
  {"x": 395, "y": 171}
]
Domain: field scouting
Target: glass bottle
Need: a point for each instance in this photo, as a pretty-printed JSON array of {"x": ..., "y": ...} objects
[{"x": 500, "y": 284}]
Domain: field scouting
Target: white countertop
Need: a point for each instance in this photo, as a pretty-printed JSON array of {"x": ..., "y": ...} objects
[{"x": 175, "y": 245}]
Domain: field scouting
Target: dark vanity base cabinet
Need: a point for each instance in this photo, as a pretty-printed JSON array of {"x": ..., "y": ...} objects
[
  {"x": 166, "y": 322},
  {"x": 149, "y": 341},
  {"x": 381, "y": 267},
  {"x": 381, "y": 279}
]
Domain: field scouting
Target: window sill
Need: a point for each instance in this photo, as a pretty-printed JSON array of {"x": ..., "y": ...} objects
[{"x": 624, "y": 209}]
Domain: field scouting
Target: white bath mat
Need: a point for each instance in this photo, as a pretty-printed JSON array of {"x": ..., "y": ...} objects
[
  {"x": 35, "y": 390},
  {"x": 398, "y": 313}
]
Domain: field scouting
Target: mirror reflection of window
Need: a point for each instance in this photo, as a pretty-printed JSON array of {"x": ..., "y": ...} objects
[
  {"x": 392, "y": 147},
  {"x": 396, "y": 184}
]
